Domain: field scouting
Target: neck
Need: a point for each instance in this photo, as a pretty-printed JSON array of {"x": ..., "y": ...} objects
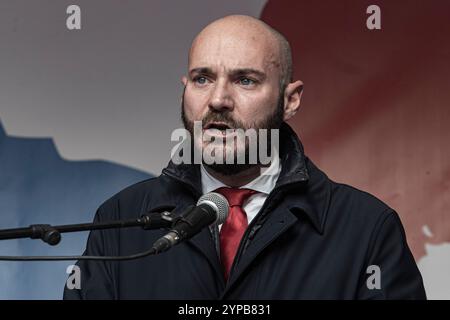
[{"x": 237, "y": 180}]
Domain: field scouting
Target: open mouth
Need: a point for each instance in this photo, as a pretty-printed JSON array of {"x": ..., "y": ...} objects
[{"x": 217, "y": 125}]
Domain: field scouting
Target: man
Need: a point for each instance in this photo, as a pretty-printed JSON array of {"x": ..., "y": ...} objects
[{"x": 291, "y": 232}]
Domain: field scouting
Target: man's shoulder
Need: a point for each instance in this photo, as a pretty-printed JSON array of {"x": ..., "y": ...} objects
[
  {"x": 139, "y": 189},
  {"x": 358, "y": 200},
  {"x": 132, "y": 200},
  {"x": 359, "y": 212},
  {"x": 349, "y": 203}
]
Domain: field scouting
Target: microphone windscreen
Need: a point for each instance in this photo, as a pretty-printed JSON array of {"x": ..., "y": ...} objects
[{"x": 218, "y": 202}]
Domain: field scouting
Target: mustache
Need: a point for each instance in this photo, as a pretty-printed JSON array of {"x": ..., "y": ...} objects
[{"x": 223, "y": 117}]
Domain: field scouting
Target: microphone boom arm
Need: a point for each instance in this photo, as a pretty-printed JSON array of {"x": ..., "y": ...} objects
[{"x": 52, "y": 234}]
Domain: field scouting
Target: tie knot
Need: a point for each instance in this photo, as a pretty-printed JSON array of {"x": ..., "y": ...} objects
[{"x": 235, "y": 197}]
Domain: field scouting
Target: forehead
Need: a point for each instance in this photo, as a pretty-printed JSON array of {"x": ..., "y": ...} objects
[{"x": 227, "y": 51}]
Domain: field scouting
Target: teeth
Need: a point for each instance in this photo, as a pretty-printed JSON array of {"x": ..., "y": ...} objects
[{"x": 222, "y": 129}]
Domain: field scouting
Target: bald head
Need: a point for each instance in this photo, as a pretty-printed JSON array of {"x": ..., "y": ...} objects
[{"x": 239, "y": 30}]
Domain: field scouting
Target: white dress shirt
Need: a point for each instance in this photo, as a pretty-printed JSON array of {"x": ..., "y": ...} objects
[{"x": 263, "y": 184}]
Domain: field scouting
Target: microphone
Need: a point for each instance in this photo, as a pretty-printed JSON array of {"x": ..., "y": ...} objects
[{"x": 211, "y": 208}]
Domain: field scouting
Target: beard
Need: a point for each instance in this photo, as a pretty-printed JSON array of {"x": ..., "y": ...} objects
[{"x": 272, "y": 121}]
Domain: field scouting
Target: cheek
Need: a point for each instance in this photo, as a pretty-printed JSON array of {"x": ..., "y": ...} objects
[
  {"x": 194, "y": 104},
  {"x": 255, "y": 108}
]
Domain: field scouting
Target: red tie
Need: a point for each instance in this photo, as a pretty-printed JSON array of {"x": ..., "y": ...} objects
[{"x": 235, "y": 225}]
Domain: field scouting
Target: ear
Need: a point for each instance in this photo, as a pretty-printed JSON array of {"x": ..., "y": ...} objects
[
  {"x": 292, "y": 98},
  {"x": 184, "y": 82}
]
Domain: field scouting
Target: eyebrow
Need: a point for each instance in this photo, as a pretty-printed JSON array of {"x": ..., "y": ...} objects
[
  {"x": 202, "y": 70},
  {"x": 234, "y": 73}
]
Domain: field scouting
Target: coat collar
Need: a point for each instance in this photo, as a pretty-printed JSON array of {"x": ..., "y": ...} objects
[{"x": 305, "y": 188}]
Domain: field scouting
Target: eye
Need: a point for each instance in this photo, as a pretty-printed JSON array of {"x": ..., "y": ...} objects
[
  {"x": 246, "y": 81},
  {"x": 200, "y": 80}
]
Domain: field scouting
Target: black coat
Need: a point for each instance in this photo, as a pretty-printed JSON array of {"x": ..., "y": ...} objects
[{"x": 313, "y": 239}]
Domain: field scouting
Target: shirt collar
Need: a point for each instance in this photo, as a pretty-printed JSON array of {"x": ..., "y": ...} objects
[{"x": 264, "y": 183}]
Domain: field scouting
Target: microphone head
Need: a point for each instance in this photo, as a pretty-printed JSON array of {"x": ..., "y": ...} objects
[{"x": 218, "y": 202}]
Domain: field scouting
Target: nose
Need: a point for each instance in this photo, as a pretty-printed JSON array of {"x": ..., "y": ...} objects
[{"x": 221, "y": 98}]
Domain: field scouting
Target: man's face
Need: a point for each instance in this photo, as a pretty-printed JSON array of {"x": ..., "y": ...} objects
[{"x": 233, "y": 83}]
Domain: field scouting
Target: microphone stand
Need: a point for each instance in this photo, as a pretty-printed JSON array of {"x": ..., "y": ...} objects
[{"x": 52, "y": 234}]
